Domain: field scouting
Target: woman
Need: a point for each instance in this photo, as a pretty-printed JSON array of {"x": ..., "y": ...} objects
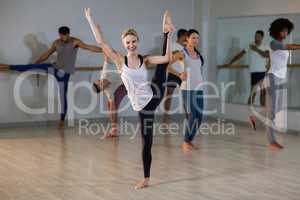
[
  {"x": 277, "y": 74},
  {"x": 111, "y": 85},
  {"x": 143, "y": 97},
  {"x": 192, "y": 89}
]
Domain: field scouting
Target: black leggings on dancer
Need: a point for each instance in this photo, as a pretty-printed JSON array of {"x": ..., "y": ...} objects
[{"x": 147, "y": 114}]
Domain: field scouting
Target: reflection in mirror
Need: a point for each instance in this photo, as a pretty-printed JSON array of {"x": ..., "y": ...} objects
[{"x": 236, "y": 62}]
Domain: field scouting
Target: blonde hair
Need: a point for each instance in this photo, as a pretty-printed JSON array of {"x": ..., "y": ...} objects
[{"x": 130, "y": 31}]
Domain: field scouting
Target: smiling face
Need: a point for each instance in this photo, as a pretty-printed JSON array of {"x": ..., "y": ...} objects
[
  {"x": 130, "y": 42},
  {"x": 193, "y": 39}
]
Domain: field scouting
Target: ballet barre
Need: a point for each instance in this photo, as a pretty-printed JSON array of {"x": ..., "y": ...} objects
[
  {"x": 77, "y": 69},
  {"x": 240, "y": 66},
  {"x": 88, "y": 68}
]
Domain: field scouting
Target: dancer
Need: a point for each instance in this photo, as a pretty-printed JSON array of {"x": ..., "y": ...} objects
[
  {"x": 277, "y": 74},
  {"x": 175, "y": 72},
  {"x": 192, "y": 89},
  {"x": 113, "y": 88},
  {"x": 66, "y": 48},
  {"x": 144, "y": 97},
  {"x": 258, "y": 55}
]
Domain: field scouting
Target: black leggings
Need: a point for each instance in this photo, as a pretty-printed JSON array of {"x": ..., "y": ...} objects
[{"x": 147, "y": 114}]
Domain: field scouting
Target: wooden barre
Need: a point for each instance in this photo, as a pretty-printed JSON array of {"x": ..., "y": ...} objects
[
  {"x": 247, "y": 66},
  {"x": 79, "y": 68},
  {"x": 89, "y": 68},
  {"x": 232, "y": 66}
]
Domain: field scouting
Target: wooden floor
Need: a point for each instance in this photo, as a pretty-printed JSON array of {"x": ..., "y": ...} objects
[{"x": 43, "y": 163}]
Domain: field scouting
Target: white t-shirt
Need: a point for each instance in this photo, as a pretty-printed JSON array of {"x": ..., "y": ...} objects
[
  {"x": 279, "y": 59},
  {"x": 257, "y": 62},
  {"x": 177, "y": 66},
  {"x": 194, "y": 73},
  {"x": 137, "y": 85}
]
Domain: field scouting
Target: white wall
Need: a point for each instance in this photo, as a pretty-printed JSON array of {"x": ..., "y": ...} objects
[
  {"x": 29, "y": 27},
  {"x": 218, "y": 8}
]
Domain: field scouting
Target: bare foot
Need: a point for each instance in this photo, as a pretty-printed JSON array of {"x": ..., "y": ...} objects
[
  {"x": 251, "y": 121},
  {"x": 193, "y": 146},
  {"x": 279, "y": 145},
  {"x": 113, "y": 133},
  {"x": 275, "y": 146},
  {"x": 143, "y": 184},
  {"x": 186, "y": 147}
]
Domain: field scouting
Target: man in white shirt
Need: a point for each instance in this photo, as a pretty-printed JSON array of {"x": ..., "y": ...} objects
[{"x": 258, "y": 54}]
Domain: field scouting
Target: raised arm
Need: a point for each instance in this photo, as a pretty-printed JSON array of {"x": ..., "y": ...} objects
[
  {"x": 47, "y": 54},
  {"x": 155, "y": 60},
  {"x": 91, "y": 48},
  {"x": 116, "y": 57}
]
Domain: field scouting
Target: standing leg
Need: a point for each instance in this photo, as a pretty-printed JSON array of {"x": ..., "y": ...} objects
[
  {"x": 262, "y": 96},
  {"x": 112, "y": 113},
  {"x": 197, "y": 107},
  {"x": 146, "y": 120},
  {"x": 63, "y": 81},
  {"x": 252, "y": 95},
  {"x": 186, "y": 96},
  {"x": 272, "y": 97},
  {"x": 251, "y": 99},
  {"x": 193, "y": 101}
]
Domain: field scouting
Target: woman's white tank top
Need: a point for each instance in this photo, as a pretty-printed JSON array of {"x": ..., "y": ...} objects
[{"x": 138, "y": 87}]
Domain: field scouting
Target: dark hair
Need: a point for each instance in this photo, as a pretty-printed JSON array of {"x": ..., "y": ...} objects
[
  {"x": 64, "y": 30},
  {"x": 181, "y": 32},
  {"x": 278, "y": 25},
  {"x": 191, "y": 31},
  {"x": 260, "y": 32}
]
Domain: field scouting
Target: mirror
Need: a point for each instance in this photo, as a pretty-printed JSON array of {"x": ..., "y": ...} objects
[{"x": 235, "y": 34}]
